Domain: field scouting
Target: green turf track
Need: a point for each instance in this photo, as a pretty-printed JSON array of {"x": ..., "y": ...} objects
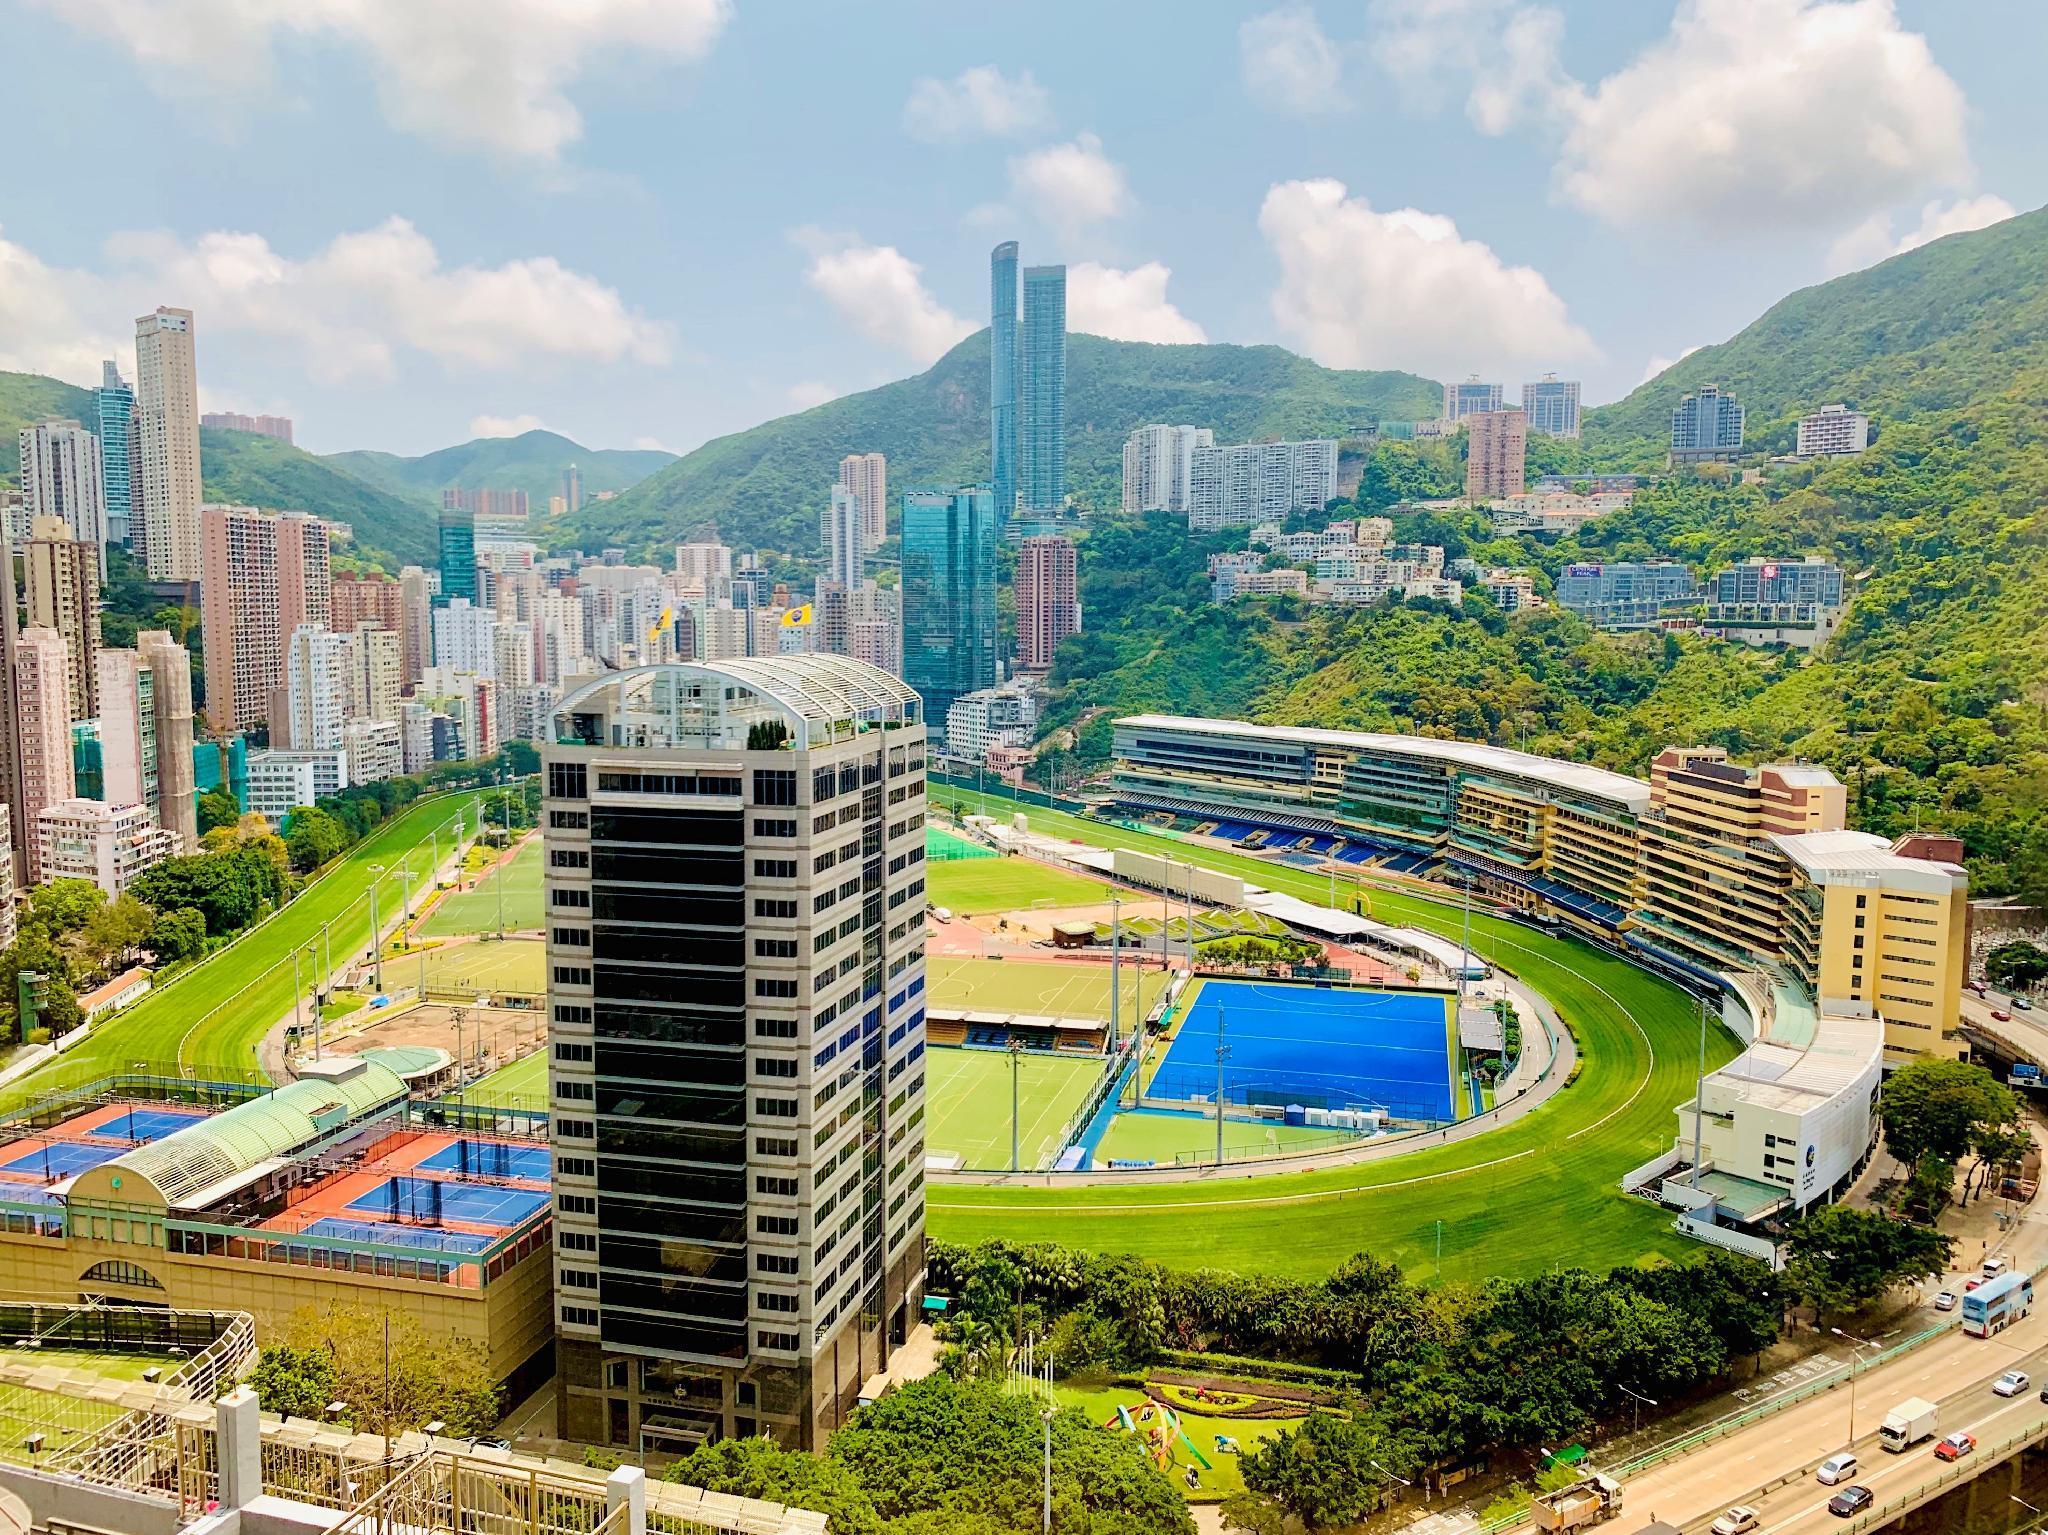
[
  {"x": 209, "y": 1020},
  {"x": 1538, "y": 1193}
]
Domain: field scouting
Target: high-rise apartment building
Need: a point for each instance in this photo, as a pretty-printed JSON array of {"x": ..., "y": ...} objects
[
  {"x": 1832, "y": 431},
  {"x": 845, "y": 537},
  {"x": 949, "y": 594},
  {"x": 170, "y": 671},
  {"x": 1042, "y": 394},
  {"x": 62, "y": 577},
  {"x": 11, "y": 783},
  {"x": 1552, "y": 406},
  {"x": 321, "y": 672},
  {"x": 736, "y": 965},
  {"x": 497, "y": 516},
  {"x": 462, "y": 638},
  {"x": 372, "y": 598},
  {"x": 1048, "y": 599},
  {"x": 166, "y": 464},
  {"x": 7, "y": 862},
  {"x": 458, "y": 554},
  {"x": 1247, "y": 483},
  {"x": 265, "y": 575},
  {"x": 572, "y": 488},
  {"x": 61, "y": 478},
  {"x": 109, "y": 844},
  {"x": 1002, "y": 377},
  {"x": 374, "y": 685},
  {"x": 128, "y": 744},
  {"x": 867, "y": 476},
  {"x": 115, "y": 407},
  {"x": 279, "y": 427},
  {"x": 43, "y": 730},
  {"x": 1706, "y": 427},
  {"x": 1496, "y": 451},
  {"x": 415, "y": 626},
  {"x": 1159, "y": 467},
  {"x": 1471, "y": 398}
]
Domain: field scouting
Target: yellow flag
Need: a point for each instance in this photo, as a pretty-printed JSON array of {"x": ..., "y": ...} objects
[{"x": 796, "y": 618}]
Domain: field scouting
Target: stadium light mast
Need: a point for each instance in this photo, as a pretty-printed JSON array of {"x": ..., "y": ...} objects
[
  {"x": 1699, "y": 1099},
  {"x": 1114, "y": 956},
  {"x": 1222, "y": 1055},
  {"x": 1016, "y": 1058},
  {"x": 376, "y": 930}
]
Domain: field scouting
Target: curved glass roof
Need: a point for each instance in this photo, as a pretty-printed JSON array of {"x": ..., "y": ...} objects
[
  {"x": 275, "y": 1125},
  {"x": 712, "y": 703}
]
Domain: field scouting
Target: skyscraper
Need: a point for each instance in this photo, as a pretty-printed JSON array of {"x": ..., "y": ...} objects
[
  {"x": 572, "y": 488},
  {"x": 60, "y": 478},
  {"x": 1496, "y": 449},
  {"x": 739, "y": 1217},
  {"x": 867, "y": 476},
  {"x": 1042, "y": 395},
  {"x": 1242, "y": 484},
  {"x": 1048, "y": 604},
  {"x": 170, "y": 669},
  {"x": 167, "y": 442},
  {"x": 10, "y": 730},
  {"x": 1471, "y": 398},
  {"x": 320, "y": 669},
  {"x": 1552, "y": 406},
  {"x": 44, "y": 725},
  {"x": 1002, "y": 377},
  {"x": 116, "y": 403},
  {"x": 1706, "y": 427},
  {"x": 62, "y": 575},
  {"x": 416, "y": 625},
  {"x": 458, "y": 555},
  {"x": 949, "y": 594},
  {"x": 1159, "y": 467},
  {"x": 845, "y": 537},
  {"x": 371, "y": 598},
  {"x": 265, "y": 575},
  {"x": 128, "y": 743}
]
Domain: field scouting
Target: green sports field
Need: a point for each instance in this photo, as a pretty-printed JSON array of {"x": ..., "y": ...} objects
[
  {"x": 970, "y": 886},
  {"x": 63, "y": 1418},
  {"x": 521, "y": 1085},
  {"x": 968, "y": 1093},
  {"x": 1166, "y": 1138},
  {"x": 463, "y": 912},
  {"x": 483, "y": 967},
  {"x": 1040, "y": 986},
  {"x": 1539, "y": 1192}
]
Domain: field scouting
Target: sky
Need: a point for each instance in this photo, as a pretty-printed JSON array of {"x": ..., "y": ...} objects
[{"x": 649, "y": 223}]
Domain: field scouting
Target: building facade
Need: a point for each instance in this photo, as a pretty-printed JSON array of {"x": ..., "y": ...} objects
[
  {"x": 279, "y": 427},
  {"x": 111, "y": 845},
  {"x": 114, "y": 405},
  {"x": 1626, "y": 594},
  {"x": 61, "y": 575},
  {"x": 369, "y": 598},
  {"x": 61, "y": 478},
  {"x": 1042, "y": 395},
  {"x": 1832, "y": 431},
  {"x": 1496, "y": 449},
  {"x": 166, "y": 462},
  {"x": 1471, "y": 398},
  {"x": 457, "y": 541},
  {"x": 1552, "y": 406},
  {"x": 170, "y": 688},
  {"x": 949, "y": 594},
  {"x": 281, "y": 781},
  {"x": 867, "y": 476},
  {"x": 1706, "y": 427},
  {"x": 1002, "y": 377},
  {"x": 736, "y": 958},
  {"x": 42, "y": 724},
  {"x": 1159, "y": 467},
  {"x": 128, "y": 745},
  {"x": 265, "y": 575},
  {"x": 1048, "y": 599},
  {"x": 1246, "y": 483}
]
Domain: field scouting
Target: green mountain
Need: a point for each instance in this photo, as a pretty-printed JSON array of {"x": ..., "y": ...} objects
[
  {"x": 766, "y": 487},
  {"x": 25, "y": 399},
  {"x": 246, "y": 469},
  {"x": 532, "y": 462}
]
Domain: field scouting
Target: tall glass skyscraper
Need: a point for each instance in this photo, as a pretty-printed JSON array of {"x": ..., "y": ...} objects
[
  {"x": 1042, "y": 393},
  {"x": 949, "y": 595},
  {"x": 116, "y": 404},
  {"x": 1002, "y": 376},
  {"x": 458, "y": 555}
]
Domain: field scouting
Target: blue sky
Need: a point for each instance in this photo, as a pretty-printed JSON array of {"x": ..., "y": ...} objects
[{"x": 657, "y": 221}]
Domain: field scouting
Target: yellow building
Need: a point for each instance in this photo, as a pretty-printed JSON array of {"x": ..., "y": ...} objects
[{"x": 328, "y": 1191}]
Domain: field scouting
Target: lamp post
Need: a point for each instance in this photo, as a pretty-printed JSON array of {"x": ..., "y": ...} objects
[
  {"x": 2023, "y": 1503},
  {"x": 376, "y": 930},
  {"x": 1016, "y": 1057},
  {"x": 1854, "y": 1343},
  {"x": 1640, "y": 1402}
]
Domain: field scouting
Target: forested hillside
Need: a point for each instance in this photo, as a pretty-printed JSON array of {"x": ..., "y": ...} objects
[
  {"x": 25, "y": 398},
  {"x": 243, "y": 468},
  {"x": 767, "y": 487},
  {"x": 532, "y": 462}
]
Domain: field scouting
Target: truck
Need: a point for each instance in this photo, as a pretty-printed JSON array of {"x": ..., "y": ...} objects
[
  {"x": 1591, "y": 1500},
  {"x": 1907, "y": 1424}
]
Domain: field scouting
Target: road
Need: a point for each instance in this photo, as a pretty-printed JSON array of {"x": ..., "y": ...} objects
[{"x": 2025, "y": 1029}]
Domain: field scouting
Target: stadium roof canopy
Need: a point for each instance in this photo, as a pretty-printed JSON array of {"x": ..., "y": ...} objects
[{"x": 714, "y": 704}]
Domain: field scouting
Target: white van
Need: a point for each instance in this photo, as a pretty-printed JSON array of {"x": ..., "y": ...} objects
[{"x": 1993, "y": 1267}]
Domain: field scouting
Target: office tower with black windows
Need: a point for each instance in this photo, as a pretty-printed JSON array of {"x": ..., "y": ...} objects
[{"x": 736, "y": 936}]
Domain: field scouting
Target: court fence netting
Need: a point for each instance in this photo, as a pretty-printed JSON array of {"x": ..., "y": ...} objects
[{"x": 1253, "y": 1088}]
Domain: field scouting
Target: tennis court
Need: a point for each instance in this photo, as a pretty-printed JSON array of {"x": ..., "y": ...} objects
[
  {"x": 491, "y": 1159},
  {"x": 392, "y": 1235},
  {"x": 138, "y": 1127},
  {"x": 1039, "y": 986},
  {"x": 60, "y": 1159},
  {"x": 969, "y": 1096},
  {"x": 438, "y": 1199},
  {"x": 1321, "y": 1047}
]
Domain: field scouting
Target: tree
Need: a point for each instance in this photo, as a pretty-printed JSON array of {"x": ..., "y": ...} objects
[
  {"x": 761, "y": 1468},
  {"x": 63, "y": 905},
  {"x": 177, "y": 934},
  {"x": 391, "y": 1371},
  {"x": 1330, "y": 1471},
  {"x": 2017, "y": 965},
  {"x": 315, "y": 836},
  {"x": 110, "y": 934},
  {"x": 229, "y": 889},
  {"x": 217, "y": 808},
  {"x": 294, "y": 1382},
  {"x": 1838, "y": 1258},
  {"x": 1941, "y": 1108}
]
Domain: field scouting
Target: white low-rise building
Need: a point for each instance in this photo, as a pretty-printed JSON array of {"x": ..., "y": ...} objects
[
  {"x": 1833, "y": 430},
  {"x": 375, "y": 750},
  {"x": 108, "y": 844},
  {"x": 998, "y": 716},
  {"x": 281, "y": 781}
]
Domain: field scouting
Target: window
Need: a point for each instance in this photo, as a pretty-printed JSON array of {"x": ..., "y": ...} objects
[
  {"x": 773, "y": 986},
  {"x": 565, "y": 1051},
  {"x": 774, "y": 908},
  {"x": 575, "y": 1130},
  {"x": 776, "y": 1108},
  {"x": 576, "y": 1241},
  {"x": 784, "y": 1188},
  {"x": 117, "y": 1272},
  {"x": 579, "y": 1316},
  {"x": 575, "y": 1167},
  {"x": 764, "y": 826},
  {"x": 570, "y": 1088},
  {"x": 775, "y": 1145},
  {"x": 821, "y": 785},
  {"x": 579, "y": 1279},
  {"x": 569, "y": 858},
  {"x": 572, "y": 975},
  {"x": 568, "y": 780},
  {"x": 775, "y": 868},
  {"x": 571, "y": 896},
  {"x": 774, "y": 1263},
  {"x": 775, "y": 1028},
  {"x": 774, "y": 786},
  {"x": 569, "y": 820},
  {"x": 774, "y": 1066},
  {"x": 783, "y": 1342},
  {"x": 776, "y": 1225},
  {"x": 573, "y": 937},
  {"x": 666, "y": 783},
  {"x": 576, "y": 1204},
  {"x": 775, "y": 1300},
  {"x": 775, "y": 948},
  {"x": 567, "y": 1012}
]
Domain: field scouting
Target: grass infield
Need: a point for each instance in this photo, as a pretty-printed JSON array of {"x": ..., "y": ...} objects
[
  {"x": 1542, "y": 1191},
  {"x": 521, "y": 1085},
  {"x": 969, "y": 887},
  {"x": 463, "y": 912},
  {"x": 1028, "y": 986},
  {"x": 969, "y": 1096},
  {"x": 517, "y": 964}
]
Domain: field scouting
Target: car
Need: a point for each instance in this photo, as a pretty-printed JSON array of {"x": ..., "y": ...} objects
[
  {"x": 1737, "y": 1521},
  {"x": 2023, "y": 1004},
  {"x": 1978, "y": 987},
  {"x": 2000, "y": 1015},
  {"x": 490, "y": 1442},
  {"x": 2011, "y": 1383},
  {"x": 1971, "y": 1285},
  {"x": 1955, "y": 1446},
  {"x": 1946, "y": 1301},
  {"x": 1836, "y": 1468},
  {"x": 1993, "y": 1267},
  {"x": 1850, "y": 1500}
]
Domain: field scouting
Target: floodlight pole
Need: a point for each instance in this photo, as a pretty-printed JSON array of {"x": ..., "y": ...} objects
[
  {"x": 1016, "y": 1057},
  {"x": 298, "y": 996},
  {"x": 376, "y": 929},
  {"x": 1114, "y": 956},
  {"x": 1222, "y": 1055},
  {"x": 1699, "y": 1102}
]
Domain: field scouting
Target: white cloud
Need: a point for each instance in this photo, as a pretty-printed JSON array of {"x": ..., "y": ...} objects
[
  {"x": 809, "y": 393},
  {"x": 981, "y": 102},
  {"x": 489, "y": 74},
  {"x": 1070, "y": 186},
  {"x": 344, "y": 312},
  {"x": 1290, "y": 64},
  {"x": 505, "y": 426},
  {"x": 1505, "y": 53},
  {"x": 1126, "y": 306},
  {"x": 651, "y": 445},
  {"x": 1659, "y": 364},
  {"x": 1360, "y": 288},
  {"x": 882, "y": 292},
  {"x": 1874, "y": 239}
]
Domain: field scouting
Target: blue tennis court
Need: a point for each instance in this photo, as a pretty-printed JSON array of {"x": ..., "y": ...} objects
[
  {"x": 441, "y": 1199},
  {"x": 1320, "y": 1047},
  {"x": 137, "y": 1127},
  {"x": 60, "y": 1159},
  {"x": 399, "y": 1236},
  {"x": 491, "y": 1159}
]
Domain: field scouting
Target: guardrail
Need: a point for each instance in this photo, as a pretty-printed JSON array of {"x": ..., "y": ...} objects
[{"x": 1963, "y": 1470}]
